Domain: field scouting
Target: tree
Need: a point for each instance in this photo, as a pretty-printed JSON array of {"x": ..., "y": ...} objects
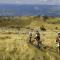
[{"x": 45, "y": 18}]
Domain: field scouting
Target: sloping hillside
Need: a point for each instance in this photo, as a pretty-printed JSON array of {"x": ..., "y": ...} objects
[
  {"x": 15, "y": 46},
  {"x": 22, "y": 21},
  {"x": 14, "y": 43}
]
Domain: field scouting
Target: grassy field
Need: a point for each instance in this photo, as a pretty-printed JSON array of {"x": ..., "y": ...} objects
[{"x": 14, "y": 39}]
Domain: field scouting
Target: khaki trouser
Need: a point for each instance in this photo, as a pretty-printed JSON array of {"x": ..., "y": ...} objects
[
  {"x": 58, "y": 48},
  {"x": 30, "y": 39}
]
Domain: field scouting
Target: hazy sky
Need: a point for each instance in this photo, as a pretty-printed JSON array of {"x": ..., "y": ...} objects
[{"x": 31, "y": 1}]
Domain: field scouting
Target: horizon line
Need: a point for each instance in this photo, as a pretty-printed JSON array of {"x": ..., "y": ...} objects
[{"x": 28, "y": 4}]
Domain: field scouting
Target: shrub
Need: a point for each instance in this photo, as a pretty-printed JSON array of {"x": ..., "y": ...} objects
[
  {"x": 56, "y": 28},
  {"x": 27, "y": 27},
  {"x": 42, "y": 28},
  {"x": 45, "y": 18}
]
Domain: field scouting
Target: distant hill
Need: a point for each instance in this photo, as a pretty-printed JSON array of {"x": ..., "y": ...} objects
[
  {"x": 29, "y": 10},
  {"x": 21, "y": 21}
]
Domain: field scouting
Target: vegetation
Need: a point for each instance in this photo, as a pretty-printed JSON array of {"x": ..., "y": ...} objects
[
  {"x": 14, "y": 38},
  {"x": 42, "y": 28}
]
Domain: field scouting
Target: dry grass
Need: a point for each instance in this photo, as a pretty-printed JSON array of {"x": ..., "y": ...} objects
[
  {"x": 14, "y": 43},
  {"x": 15, "y": 46}
]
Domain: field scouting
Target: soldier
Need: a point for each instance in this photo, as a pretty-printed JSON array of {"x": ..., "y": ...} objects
[
  {"x": 38, "y": 38},
  {"x": 30, "y": 36},
  {"x": 58, "y": 41}
]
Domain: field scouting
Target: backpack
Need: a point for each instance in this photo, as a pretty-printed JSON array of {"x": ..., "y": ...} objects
[
  {"x": 58, "y": 39},
  {"x": 38, "y": 34}
]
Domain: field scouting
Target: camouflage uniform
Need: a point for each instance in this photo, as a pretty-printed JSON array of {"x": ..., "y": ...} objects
[
  {"x": 38, "y": 39},
  {"x": 58, "y": 41},
  {"x": 30, "y": 37}
]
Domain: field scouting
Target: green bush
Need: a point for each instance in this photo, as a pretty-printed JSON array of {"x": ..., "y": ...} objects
[{"x": 43, "y": 28}]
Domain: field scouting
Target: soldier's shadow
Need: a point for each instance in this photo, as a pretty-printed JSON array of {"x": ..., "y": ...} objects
[
  {"x": 43, "y": 47},
  {"x": 34, "y": 45}
]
